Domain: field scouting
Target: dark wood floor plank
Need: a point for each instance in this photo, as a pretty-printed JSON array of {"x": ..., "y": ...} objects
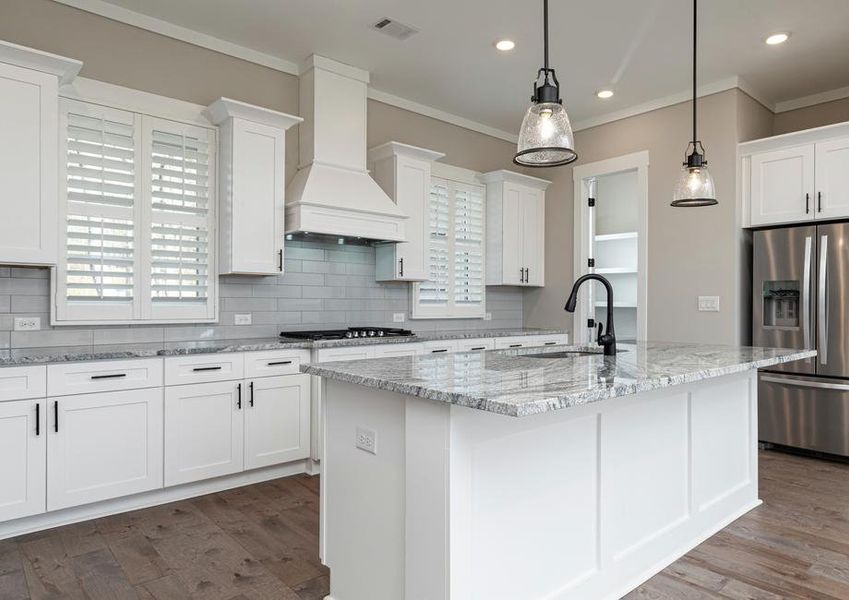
[{"x": 100, "y": 576}]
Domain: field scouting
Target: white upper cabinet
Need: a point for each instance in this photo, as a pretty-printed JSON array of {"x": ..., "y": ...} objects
[
  {"x": 252, "y": 186},
  {"x": 404, "y": 174},
  {"x": 515, "y": 243},
  {"x": 29, "y": 154},
  {"x": 797, "y": 177}
]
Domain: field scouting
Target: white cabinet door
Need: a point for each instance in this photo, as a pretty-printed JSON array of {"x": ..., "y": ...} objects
[
  {"x": 832, "y": 179},
  {"x": 204, "y": 431},
  {"x": 277, "y": 420},
  {"x": 23, "y": 458},
  {"x": 782, "y": 186},
  {"x": 103, "y": 445},
  {"x": 511, "y": 235},
  {"x": 258, "y": 187},
  {"x": 533, "y": 237},
  {"x": 29, "y": 114}
]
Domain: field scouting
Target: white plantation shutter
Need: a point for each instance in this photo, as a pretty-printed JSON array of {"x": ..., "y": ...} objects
[
  {"x": 180, "y": 230},
  {"x": 456, "y": 251},
  {"x": 137, "y": 213}
]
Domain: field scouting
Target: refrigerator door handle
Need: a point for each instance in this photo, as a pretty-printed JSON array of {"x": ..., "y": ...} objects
[
  {"x": 806, "y": 294},
  {"x": 808, "y": 384},
  {"x": 822, "y": 309}
]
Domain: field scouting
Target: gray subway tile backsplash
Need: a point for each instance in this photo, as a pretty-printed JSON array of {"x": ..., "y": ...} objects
[{"x": 324, "y": 286}]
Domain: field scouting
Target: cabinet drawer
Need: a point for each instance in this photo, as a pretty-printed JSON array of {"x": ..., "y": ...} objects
[
  {"x": 547, "y": 340},
  {"x": 103, "y": 376},
  {"x": 21, "y": 383},
  {"x": 403, "y": 349},
  {"x": 440, "y": 347},
  {"x": 475, "y": 345},
  {"x": 350, "y": 353},
  {"x": 274, "y": 362},
  {"x": 512, "y": 342},
  {"x": 204, "y": 368}
]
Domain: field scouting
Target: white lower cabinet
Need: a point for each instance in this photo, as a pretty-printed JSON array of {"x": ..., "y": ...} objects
[
  {"x": 277, "y": 420},
  {"x": 23, "y": 465},
  {"x": 103, "y": 445},
  {"x": 204, "y": 431}
]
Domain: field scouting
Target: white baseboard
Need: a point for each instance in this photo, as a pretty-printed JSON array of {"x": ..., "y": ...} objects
[{"x": 148, "y": 499}]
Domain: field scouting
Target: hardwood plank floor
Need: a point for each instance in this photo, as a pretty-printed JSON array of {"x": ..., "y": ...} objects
[{"x": 261, "y": 542}]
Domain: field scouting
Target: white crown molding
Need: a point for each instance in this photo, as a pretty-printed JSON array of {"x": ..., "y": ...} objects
[
  {"x": 813, "y": 99},
  {"x": 227, "y": 108},
  {"x": 65, "y": 69},
  {"x": 441, "y": 115},
  {"x": 184, "y": 34}
]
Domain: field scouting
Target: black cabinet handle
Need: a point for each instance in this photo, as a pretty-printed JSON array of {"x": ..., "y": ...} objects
[
  {"x": 515, "y": 345},
  {"x": 37, "y": 419},
  {"x": 218, "y": 368},
  {"x": 280, "y": 263},
  {"x": 479, "y": 348},
  {"x": 438, "y": 351},
  {"x": 279, "y": 362},
  {"x": 112, "y": 376},
  {"x": 819, "y": 201},
  {"x": 550, "y": 344},
  {"x": 252, "y": 393},
  {"x": 55, "y": 416},
  {"x": 807, "y": 203},
  {"x": 401, "y": 261},
  {"x": 239, "y": 396}
]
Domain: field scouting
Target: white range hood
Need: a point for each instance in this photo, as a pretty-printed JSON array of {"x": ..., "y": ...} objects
[{"x": 332, "y": 193}]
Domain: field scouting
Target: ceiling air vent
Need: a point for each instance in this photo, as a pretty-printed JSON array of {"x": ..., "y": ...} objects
[{"x": 395, "y": 29}]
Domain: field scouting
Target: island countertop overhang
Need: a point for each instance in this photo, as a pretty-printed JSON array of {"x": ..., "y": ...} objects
[{"x": 522, "y": 382}]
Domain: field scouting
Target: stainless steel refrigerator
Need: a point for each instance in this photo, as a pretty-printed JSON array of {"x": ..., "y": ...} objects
[{"x": 800, "y": 291}]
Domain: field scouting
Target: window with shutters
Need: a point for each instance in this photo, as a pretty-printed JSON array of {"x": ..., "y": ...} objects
[
  {"x": 137, "y": 219},
  {"x": 456, "y": 252}
]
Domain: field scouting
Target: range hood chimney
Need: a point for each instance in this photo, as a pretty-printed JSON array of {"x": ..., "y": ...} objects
[{"x": 332, "y": 193}]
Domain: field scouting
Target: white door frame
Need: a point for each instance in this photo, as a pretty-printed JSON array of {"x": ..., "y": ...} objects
[{"x": 638, "y": 161}]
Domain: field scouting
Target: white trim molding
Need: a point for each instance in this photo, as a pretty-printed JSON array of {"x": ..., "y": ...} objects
[{"x": 812, "y": 100}]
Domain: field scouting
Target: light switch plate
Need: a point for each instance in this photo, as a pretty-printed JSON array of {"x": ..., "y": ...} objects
[
  {"x": 708, "y": 303},
  {"x": 242, "y": 319},
  {"x": 27, "y": 323},
  {"x": 487, "y": 317},
  {"x": 398, "y": 317}
]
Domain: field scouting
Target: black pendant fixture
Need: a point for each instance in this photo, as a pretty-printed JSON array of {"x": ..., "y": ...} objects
[
  {"x": 546, "y": 138},
  {"x": 695, "y": 184}
]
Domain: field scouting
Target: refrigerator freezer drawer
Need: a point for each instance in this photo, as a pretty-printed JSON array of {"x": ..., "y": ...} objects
[{"x": 804, "y": 412}]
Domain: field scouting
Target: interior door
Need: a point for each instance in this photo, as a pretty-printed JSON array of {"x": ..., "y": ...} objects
[
  {"x": 511, "y": 235},
  {"x": 22, "y": 468},
  {"x": 832, "y": 177},
  {"x": 533, "y": 236},
  {"x": 833, "y": 300},
  {"x": 103, "y": 445},
  {"x": 204, "y": 431},
  {"x": 783, "y": 292},
  {"x": 277, "y": 420},
  {"x": 783, "y": 186}
]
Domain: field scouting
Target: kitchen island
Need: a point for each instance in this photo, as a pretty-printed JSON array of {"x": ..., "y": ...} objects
[{"x": 532, "y": 474}]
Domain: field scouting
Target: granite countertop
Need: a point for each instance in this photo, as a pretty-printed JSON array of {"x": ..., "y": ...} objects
[
  {"x": 514, "y": 383},
  {"x": 35, "y": 356}
]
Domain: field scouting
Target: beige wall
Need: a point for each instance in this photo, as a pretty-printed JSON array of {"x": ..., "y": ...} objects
[
  {"x": 691, "y": 252},
  {"x": 812, "y": 116}
]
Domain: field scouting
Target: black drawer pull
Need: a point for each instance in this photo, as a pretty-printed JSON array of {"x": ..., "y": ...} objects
[
  {"x": 218, "y": 368},
  {"x": 37, "y": 419},
  {"x": 252, "y": 393},
  {"x": 56, "y": 416},
  {"x": 112, "y": 376},
  {"x": 515, "y": 345},
  {"x": 438, "y": 351},
  {"x": 239, "y": 397},
  {"x": 550, "y": 344},
  {"x": 279, "y": 362},
  {"x": 479, "y": 348}
]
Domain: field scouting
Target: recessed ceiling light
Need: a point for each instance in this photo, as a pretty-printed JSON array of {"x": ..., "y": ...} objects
[
  {"x": 604, "y": 94},
  {"x": 505, "y": 45},
  {"x": 777, "y": 38}
]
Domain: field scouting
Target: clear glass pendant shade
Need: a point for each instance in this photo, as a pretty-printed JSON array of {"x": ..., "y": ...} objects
[
  {"x": 694, "y": 187},
  {"x": 546, "y": 138}
]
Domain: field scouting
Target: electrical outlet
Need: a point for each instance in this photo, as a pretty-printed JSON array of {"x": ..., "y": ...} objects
[
  {"x": 27, "y": 323},
  {"x": 398, "y": 317},
  {"x": 708, "y": 303},
  {"x": 367, "y": 440},
  {"x": 487, "y": 317},
  {"x": 242, "y": 319}
]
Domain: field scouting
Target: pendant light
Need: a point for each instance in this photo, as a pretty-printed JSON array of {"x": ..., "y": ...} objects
[
  {"x": 695, "y": 184},
  {"x": 545, "y": 139}
]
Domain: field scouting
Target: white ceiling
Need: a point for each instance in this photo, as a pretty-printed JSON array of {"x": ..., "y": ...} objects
[{"x": 640, "y": 48}]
